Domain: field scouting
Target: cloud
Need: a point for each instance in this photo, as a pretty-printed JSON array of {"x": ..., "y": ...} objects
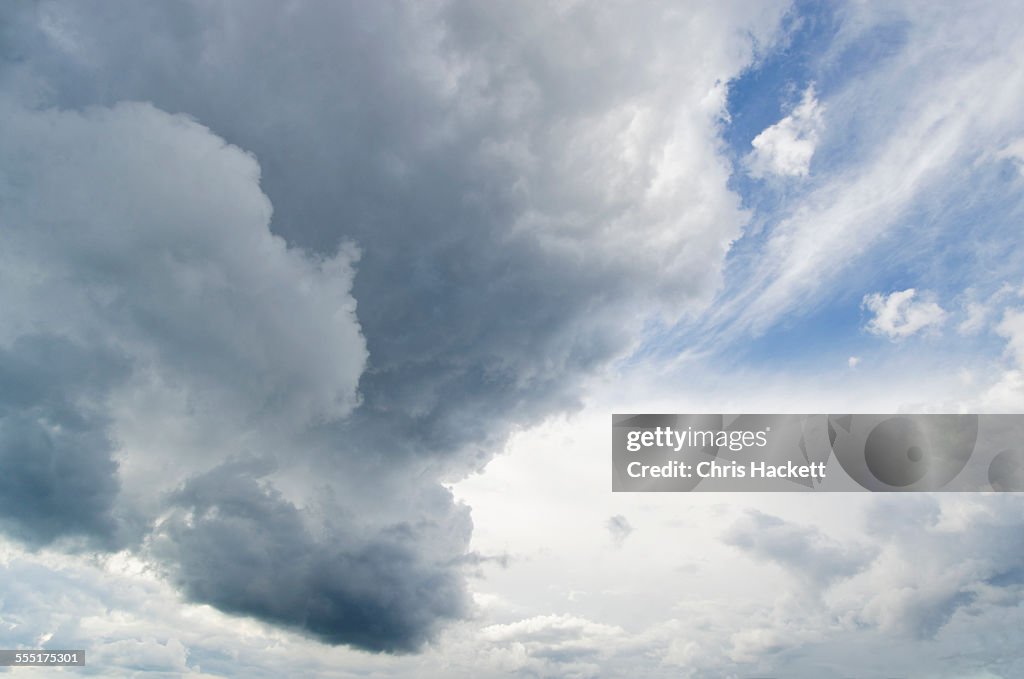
[
  {"x": 898, "y": 316},
  {"x": 495, "y": 159},
  {"x": 619, "y": 528},
  {"x": 1011, "y": 326},
  {"x": 60, "y": 477},
  {"x": 234, "y": 542},
  {"x": 159, "y": 250},
  {"x": 853, "y": 362},
  {"x": 554, "y": 645},
  {"x": 786, "y": 148},
  {"x": 928, "y": 560},
  {"x": 144, "y": 273},
  {"x": 977, "y": 317},
  {"x": 802, "y": 550},
  {"x": 477, "y": 197},
  {"x": 857, "y": 218},
  {"x": 137, "y": 268},
  {"x": 938, "y": 559}
]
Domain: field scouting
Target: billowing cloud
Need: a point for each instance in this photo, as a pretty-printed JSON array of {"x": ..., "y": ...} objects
[
  {"x": 898, "y": 315},
  {"x": 786, "y": 148},
  {"x": 510, "y": 192},
  {"x": 234, "y": 542}
]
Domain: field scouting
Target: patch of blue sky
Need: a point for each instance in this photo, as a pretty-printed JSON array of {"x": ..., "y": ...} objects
[
  {"x": 955, "y": 236},
  {"x": 957, "y": 242},
  {"x": 962, "y": 233},
  {"x": 816, "y": 49},
  {"x": 768, "y": 90}
]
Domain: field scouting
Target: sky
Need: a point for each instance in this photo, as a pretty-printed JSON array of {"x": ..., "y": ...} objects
[{"x": 313, "y": 316}]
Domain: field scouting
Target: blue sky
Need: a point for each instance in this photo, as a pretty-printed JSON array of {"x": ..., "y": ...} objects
[{"x": 312, "y": 316}]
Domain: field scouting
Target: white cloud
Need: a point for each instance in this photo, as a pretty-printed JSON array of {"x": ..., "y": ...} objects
[
  {"x": 853, "y": 362},
  {"x": 1005, "y": 392},
  {"x": 1005, "y": 395},
  {"x": 977, "y": 316},
  {"x": 786, "y": 148},
  {"x": 897, "y": 315},
  {"x": 1012, "y": 328}
]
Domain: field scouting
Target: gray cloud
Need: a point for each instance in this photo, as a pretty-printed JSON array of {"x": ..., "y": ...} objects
[
  {"x": 937, "y": 563},
  {"x": 234, "y": 542},
  {"x": 928, "y": 562},
  {"x": 804, "y": 551},
  {"x": 59, "y": 477},
  {"x": 492, "y": 182},
  {"x": 507, "y": 203}
]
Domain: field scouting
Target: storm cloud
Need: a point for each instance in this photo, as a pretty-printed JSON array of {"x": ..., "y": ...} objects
[{"x": 507, "y": 205}]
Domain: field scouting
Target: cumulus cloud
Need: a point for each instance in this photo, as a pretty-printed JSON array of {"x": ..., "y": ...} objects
[
  {"x": 476, "y": 197},
  {"x": 138, "y": 259},
  {"x": 786, "y": 148},
  {"x": 145, "y": 271},
  {"x": 897, "y": 315},
  {"x": 234, "y": 542},
  {"x": 495, "y": 159}
]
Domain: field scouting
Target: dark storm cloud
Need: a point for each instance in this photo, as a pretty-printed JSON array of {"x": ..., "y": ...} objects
[
  {"x": 238, "y": 545},
  {"x": 435, "y": 138},
  {"x": 58, "y": 477},
  {"x": 523, "y": 189}
]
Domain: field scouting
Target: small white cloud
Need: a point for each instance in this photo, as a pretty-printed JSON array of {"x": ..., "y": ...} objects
[
  {"x": 786, "y": 147},
  {"x": 853, "y": 361},
  {"x": 898, "y": 315}
]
